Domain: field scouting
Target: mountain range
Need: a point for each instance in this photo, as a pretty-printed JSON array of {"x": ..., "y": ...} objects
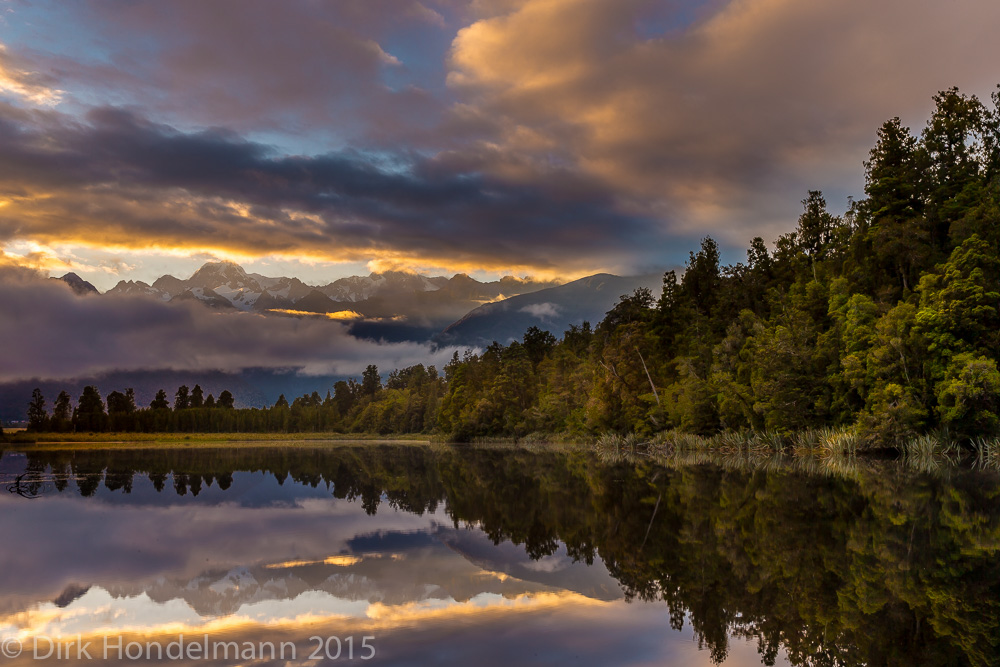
[
  {"x": 228, "y": 285},
  {"x": 398, "y": 306},
  {"x": 393, "y": 306},
  {"x": 554, "y": 309}
]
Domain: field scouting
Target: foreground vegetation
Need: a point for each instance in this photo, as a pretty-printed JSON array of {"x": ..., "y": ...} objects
[{"x": 883, "y": 324}]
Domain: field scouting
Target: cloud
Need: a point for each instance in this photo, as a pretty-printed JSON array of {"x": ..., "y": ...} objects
[
  {"x": 119, "y": 179},
  {"x": 542, "y": 310},
  {"x": 30, "y": 86},
  {"x": 57, "y": 335},
  {"x": 721, "y": 120},
  {"x": 304, "y": 68},
  {"x": 517, "y": 135}
]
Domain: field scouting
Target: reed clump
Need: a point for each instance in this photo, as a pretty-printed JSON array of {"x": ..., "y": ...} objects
[
  {"x": 923, "y": 446},
  {"x": 617, "y": 446},
  {"x": 674, "y": 441},
  {"x": 987, "y": 452},
  {"x": 840, "y": 442},
  {"x": 773, "y": 441},
  {"x": 730, "y": 441}
]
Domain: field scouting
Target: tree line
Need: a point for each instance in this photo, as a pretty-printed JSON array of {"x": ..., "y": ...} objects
[
  {"x": 406, "y": 403},
  {"x": 885, "y": 319}
]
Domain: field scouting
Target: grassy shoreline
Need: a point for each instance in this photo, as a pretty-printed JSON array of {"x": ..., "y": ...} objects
[{"x": 828, "y": 442}]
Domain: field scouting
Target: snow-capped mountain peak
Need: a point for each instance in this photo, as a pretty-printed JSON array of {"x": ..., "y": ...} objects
[
  {"x": 229, "y": 274},
  {"x": 392, "y": 305}
]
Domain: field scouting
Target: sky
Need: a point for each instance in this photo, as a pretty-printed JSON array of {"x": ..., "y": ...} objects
[
  {"x": 321, "y": 139},
  {"x": 554, "y": 138}
]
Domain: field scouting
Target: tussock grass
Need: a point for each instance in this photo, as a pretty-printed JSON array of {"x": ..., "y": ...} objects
[
  {"x": 535, "y": 438},
  {"x": 827, "y": 452},
  {"x": 923, "y": 446},
  {"x": 731, "y": 441},
  {"x": 771, "y": 440},
  {"x": 987, "y": 452},
  {"x": 932, "y": 451},
  {"x": 614, "y": 447},
  {"x": 493, "y": 441},
  {"x": 844, "y": 442},
  {"x": 808, "y": 440},
  {"x": 675, "y": 440}
]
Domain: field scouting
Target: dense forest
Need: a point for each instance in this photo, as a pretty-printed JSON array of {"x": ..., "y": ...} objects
[{"x": 885, "y": 321}]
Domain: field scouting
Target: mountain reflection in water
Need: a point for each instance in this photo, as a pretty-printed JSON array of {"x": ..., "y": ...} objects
[{"x": 451, "y": 555}]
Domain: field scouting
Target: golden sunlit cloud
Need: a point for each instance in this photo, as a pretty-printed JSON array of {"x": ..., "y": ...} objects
[
  {"x": 340, "y": 315},
  {"x": 61, "y": 259},
  {"x": 342, "y": 561},
  {"x": 22, "y": 84},
  {"x": 431, "y": 265},
  {"x": 674, "y": 119},
  {"x": 576, "y": 137},
  {"x": 56, "y": 253},
  {"x": 160, "y": 211}
]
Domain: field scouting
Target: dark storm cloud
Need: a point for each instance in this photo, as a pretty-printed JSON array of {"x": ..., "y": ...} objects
[
  {"x": 56, "y": 334},
  {"x": 121, "y": 179}
]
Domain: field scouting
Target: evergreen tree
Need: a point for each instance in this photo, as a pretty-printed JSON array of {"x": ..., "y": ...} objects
[
  {"x": 62, "y": 412},
  {"x": 121, "y": 404},
  {"x": 160, "y": 401},
  {"x": 38, "y": 416},
  {"x": 371, "y": 381},
  {"x": 182, "y": 399},
  {"x": 816, "y": 225},
  {"x": 197, "y": 398},
  {"x": 89, "y": 414},
  {"x": 954, "y": 144},
  {"x": 121, "y": 408},
  {"x": 226, "y": 400}
]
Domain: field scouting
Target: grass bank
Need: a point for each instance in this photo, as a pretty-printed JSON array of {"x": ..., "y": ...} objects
[{"x": 62, "y": 440}]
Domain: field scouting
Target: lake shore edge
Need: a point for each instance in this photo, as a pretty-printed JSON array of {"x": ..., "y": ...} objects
[{"x": 823, "y": 443}]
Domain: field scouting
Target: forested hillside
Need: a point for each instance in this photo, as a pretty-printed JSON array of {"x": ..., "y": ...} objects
[{"x": 887, "y": 318}]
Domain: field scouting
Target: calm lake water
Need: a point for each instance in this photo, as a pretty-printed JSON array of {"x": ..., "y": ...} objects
[{"x": 424, "y": 555}]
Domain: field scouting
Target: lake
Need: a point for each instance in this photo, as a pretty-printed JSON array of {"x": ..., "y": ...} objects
[{"x": 397, "y": 554}]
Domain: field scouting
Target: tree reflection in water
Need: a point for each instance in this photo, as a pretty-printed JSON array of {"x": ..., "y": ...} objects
[{"x": 873, "y": 565}]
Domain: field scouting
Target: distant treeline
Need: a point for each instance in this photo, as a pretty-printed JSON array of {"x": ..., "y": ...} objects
[
  {"x": 885, "y": 319},
  {"x": 407, "y": 403}
]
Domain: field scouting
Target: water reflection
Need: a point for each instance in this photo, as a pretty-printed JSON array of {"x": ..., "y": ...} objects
[{"x": 504, "y": 555}]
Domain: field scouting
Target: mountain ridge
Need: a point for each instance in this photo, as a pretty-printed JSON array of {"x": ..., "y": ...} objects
[
  {"x": 230, "y": 282},
  {"x": 392, "y": 306},
  {"x": 553, "y": 309},
  {"x": 397, "y": 306}
]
